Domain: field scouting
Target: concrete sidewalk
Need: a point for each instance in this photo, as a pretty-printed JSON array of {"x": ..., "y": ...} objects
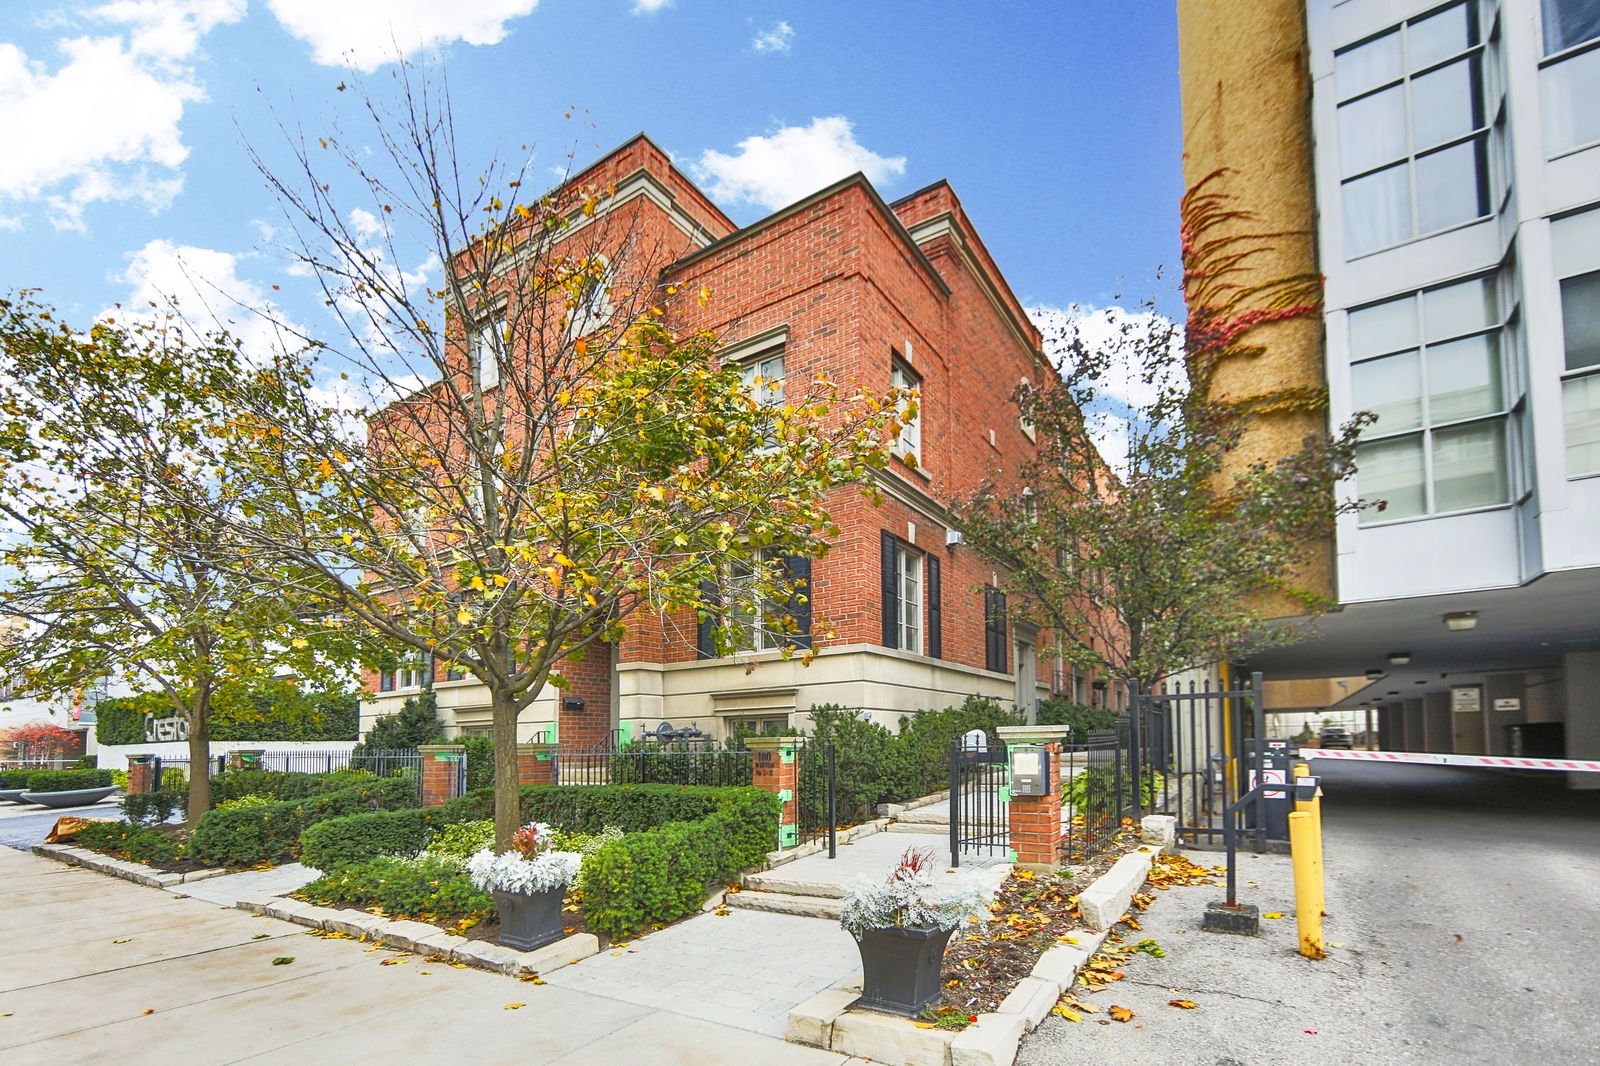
[{"x": 104, "y": 970}]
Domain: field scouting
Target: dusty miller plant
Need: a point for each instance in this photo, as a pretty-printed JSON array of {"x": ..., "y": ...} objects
[{"x": 909, "y": 898}]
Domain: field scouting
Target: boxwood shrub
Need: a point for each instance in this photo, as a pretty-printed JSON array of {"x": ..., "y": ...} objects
[
  {"x": 429, "y": 889},
  {"x": 234, "y": 784},
  {"x": 663, "y": 873},
  {"x": 153, "y": 808},
  {"x": 65, "y": 780},
  {"x": 340, "y": 843},
  {"x": 248, "y": 835},
  {"x": 15, "y": 778},
  {"x": 138, "y": 843}
]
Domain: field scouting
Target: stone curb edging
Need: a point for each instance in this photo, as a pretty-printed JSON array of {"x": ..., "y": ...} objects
[
  {"x": 894, "y": 810},
  {"x": 423, "y": 939},
  {"x": 826, "y": 1020},
  {"x": 129, "y": 871}
]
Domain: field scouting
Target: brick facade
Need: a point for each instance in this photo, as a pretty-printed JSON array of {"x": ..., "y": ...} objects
[{"x": 849, "y": 285}]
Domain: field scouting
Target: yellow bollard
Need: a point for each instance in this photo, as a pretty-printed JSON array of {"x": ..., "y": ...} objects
[
  {"x": 1307, "y": 886},
  {"x": 1313, "y": 807}
]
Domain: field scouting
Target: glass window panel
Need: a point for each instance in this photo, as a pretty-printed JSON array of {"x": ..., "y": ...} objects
[
  {"x": 1392, "y": 471},
  {"x": 1580, "y": 320},
  {"x": 1372, "y": 130},
  {"x": 1464, "y": 379},
  {"x": 910, "y": 601},
  {"x": 1450, "y": 187},
  {"x": 1458, "y": 309},
  {"x": 1438, "y": 37},
  {"x": 1570, "y": 22},
  {"x": 1581, "y": 399},
  {"x": 1569, "y": 89},
  {"x": 1377, "y": 210},
  {"x": 1368, "y": 66},
  {"x": 1444, "y": 105},
  {"x": 1575, "y": 243},
  {"x": 1386, "y": 327},
  {"x": 1469, "y": 466},
  {"x": 1390, "y": 388}
]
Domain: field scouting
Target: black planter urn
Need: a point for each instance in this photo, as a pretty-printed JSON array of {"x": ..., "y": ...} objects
[
  {"x": 900, "y": 969},
  {"x": 530, "y": 920}
]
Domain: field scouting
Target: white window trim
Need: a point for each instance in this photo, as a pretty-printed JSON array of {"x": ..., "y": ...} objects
[
  {"x": 910, "y": 628},
  {"x": 494, "y": 325},
  {"x": 908, "y": 442}
]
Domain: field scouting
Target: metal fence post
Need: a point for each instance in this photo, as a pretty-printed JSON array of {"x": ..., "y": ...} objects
[
  {"x": 833, "y": 814},
  {"x": 955, "y": 804}
]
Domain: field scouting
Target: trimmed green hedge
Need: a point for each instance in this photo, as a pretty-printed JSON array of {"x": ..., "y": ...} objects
[
  {"x": 15, "y": 778},
  {"x": 274, "y": 712},
  {"x": 341, "y": 843},
  {"x": 659, "y": 874},
  {"x": 153, "y": 808},
  {"x": 131, "y": 841},
  {"x": 64, "y": 780},
  {"x": 248, "y": 835},
  {"x": 432, "y": 889},
  {"x": 233, "y": 784},
  {"x": 678, "y": 842}
]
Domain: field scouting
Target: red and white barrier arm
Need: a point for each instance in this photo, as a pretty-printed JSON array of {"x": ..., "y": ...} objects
[{"x": 1497, "y": 762}]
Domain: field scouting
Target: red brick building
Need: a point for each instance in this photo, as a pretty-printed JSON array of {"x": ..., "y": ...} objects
[{"x": 844, "y": 284}]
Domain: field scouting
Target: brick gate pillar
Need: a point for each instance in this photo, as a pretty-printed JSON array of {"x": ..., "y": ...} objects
[
  {"x": 441, "y": 772},
  {"x": 141, "y": 773},
  {"x": 583, "y": 720},
  {"x": 1036, "y": 820},
  {"x": 776, "y": 768},
  {"x": 536, "y": 764}
]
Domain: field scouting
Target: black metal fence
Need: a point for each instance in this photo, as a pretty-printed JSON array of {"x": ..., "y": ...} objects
[
  {"x": 980, "y": 800},
  {"x": 172, "y": 772},
  {"x": 1196, "y": 738},
  {"x": 1101, "y": 793},
  {"x": 652, "y": 764},
  {"x": 816, "y": 810}
]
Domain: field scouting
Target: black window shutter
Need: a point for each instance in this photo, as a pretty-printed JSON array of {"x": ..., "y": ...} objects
[
  {"x": 935, "y": 640},
  {"x": 799, "y": 573},
  {"x": 705, "y": 640},
  {"x": 891, "y": 591},
  {"x": 1000, "y": 648},
  {"x": 994, "y": 629}
]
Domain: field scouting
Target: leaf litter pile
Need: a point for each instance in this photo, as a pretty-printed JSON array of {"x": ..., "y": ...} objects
[
  {"x": 1105, "y": 968},
  {"x": 1035, "y": 912}
]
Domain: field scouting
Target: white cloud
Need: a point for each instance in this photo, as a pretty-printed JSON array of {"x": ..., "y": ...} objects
[
  {"x": 366, "y": 34},
  {"x": 1107, "y": 329},
  {"x": 795, "y": 161},
  {"x": 777, "y": 39},
  {"x": 205, "y": 287},
  {"x": 644, "y": 7},
  {"x": 104, "y": 125}
]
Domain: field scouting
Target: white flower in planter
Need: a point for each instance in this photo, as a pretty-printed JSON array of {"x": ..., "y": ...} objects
[
  {"x": 528, "y": 868},
  {"x": 911, "y": 899}
]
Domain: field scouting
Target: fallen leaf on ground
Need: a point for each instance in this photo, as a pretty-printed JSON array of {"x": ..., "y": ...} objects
[
  {"x": 283, "y": 960},
  {"x": 125, "y": 939},
  {"x": 261, "y": 936},
  {"x": 1069, "y": 1015},
  {"x": 392, "y": 962},
  {"x": 149, "y": 1010},
  {"x": 424, "y": 973},
  {"x": 1184, "y": 1004},
  {"x": 1272, "y": 914},
  {"x": 515, "y": 1006},
  {"x": 1119, "y": 1014}
]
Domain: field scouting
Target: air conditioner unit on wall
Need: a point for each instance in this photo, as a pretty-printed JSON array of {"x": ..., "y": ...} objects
[{"x": 953, "y": 537}]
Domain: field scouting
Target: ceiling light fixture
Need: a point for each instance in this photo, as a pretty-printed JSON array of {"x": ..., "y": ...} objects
[
  {"x": 1399, "y": 658},
  {"x": 1373, "y": 675},
  {"x": 1461, "y": 621}
]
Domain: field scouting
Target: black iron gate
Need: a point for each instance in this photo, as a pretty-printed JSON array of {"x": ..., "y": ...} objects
[
  {"x": 1197, "y": 746},
  {"x": 816, "y": 814},
  {"x": 980, "y": 799}
]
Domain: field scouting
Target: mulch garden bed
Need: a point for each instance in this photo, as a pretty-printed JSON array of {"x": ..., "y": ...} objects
[{"x": 1033, "y": 913}]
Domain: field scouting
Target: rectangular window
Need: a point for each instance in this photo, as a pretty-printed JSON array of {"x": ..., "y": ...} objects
[
  {"x": 386, "y": 680},
  {"x": 909, "y": 443},
  {"x": 486, "y": 344},
  {"x": 1432, "y": 367},
  {"x": 909, "y": 572},
  {"x": 1569, "y": 88},
  {"x": 763, "y": 376},
  {"x": 994, "y": 629},
  {"x": 1575, "y": 250},
  {"x": 1568, "y": 23},
  {"x": 1413, "y": 130}
]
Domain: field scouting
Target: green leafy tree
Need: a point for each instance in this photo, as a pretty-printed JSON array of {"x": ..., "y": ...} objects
[
  {"x": 537, "y": 454},
  {"x": 121, "y": 558},
  {"x": 1165, "y": 554},
  {"x": 416, "y": 724}
]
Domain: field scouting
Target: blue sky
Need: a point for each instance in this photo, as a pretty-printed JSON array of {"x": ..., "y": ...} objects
[{"x": 1057, "y": 123}]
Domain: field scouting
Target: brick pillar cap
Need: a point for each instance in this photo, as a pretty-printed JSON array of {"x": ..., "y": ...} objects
[
  {"x": 538, "y": 748},
  {"x": 441, "y": 747},
  {"x": 1033, "y": 734},
  {"x": 142, "y": 757},
  {"x": 248, "y": 751},
  {"x": 772, "y": 743}
]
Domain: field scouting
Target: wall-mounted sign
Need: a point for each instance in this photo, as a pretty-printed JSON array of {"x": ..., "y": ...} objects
[
  {"x": 1511, "y": 703},
  {"x": 159, "y": 729},
  {"x": 1468, "y": 699}
]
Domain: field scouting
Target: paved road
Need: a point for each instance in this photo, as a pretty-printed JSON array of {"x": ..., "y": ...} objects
[
  {"x": 1467, "y": 907},
  {"x": 22, "y": 827}
]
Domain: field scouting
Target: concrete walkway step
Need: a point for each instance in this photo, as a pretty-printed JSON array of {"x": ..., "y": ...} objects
[
  {"x": 785, "y": 903},
  {"x": 939, "y": 815},
  {"x": 792, "y": 886}
]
